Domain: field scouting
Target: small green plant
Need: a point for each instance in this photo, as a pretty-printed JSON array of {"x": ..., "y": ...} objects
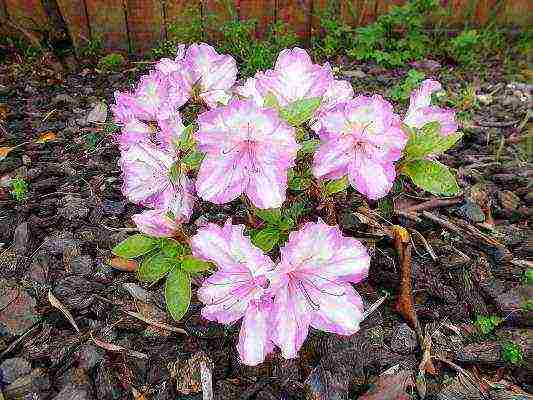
[
  {"x": 397, "y": 37},
  {"x": 19, "y": 189},
  {"x": 528, "y": 276},
  {"x": 179, "y": 32},
  {"x": 402, "y": 91},
  {"x": 160, "y": 258},
  {"x": 92, "y": 139},
  {"x": 110, "y": 128},
  {"x": 512, "y": 353},
  {"x": 252, "y": 54},
  {"x": 463, "y": 47},
  {"x": 93, "y": 48},
  {"x": 111, "y": 62},
  {"x": 333, "y": 35},
  {"x": 487, "y": 323}
]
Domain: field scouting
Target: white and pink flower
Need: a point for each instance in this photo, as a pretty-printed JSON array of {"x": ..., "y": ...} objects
[
  {"x": 249, "y": 150},
  {"x": 361, "y": 138},
  {"x": 421, "y": 111},
  {"x": 238, "y": 289}
]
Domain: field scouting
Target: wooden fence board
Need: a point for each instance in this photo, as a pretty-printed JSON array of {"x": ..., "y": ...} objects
[
  {"x": 263, "y": 11},
  {"x": 215, "y": 13},
  {"x": 145, "y": 24},
  {"x": 180, "y": 12},
  {"x": 518, "y": 12},
  {"x": 107, "y": 19},
  {"x": 28, "y": 14},
  {"x": 73, "y": 12},
  {"x": 297, "y": 14},
  {"x": 138, "y": 24}
]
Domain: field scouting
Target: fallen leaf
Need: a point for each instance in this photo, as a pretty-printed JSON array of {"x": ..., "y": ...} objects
[
  {"x": 4, "y": 151},
  {"x": 116, "y": 348},
  {"x": 46, "y": 137},
  {"x": 123, "y": 264},
  {"x": 57, "y": 304},
  {"x": 3, "y": 111},
  {"x": 390, "y": 387}
]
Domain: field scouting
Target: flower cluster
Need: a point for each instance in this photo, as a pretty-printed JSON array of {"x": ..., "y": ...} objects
[
  {"x": 248, "y": 144},
  {"x": 309, "y": 287}
]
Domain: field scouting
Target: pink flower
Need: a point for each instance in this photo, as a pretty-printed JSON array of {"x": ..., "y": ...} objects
[
  {"x": 361, "y": 138},
  {"x": 338, "y": 91},
  {"x": 170, "y": 131},
  {"x": 212, "y": 73},
  {"x": 248, "y": 150},
  {"x": 238, "y": 289},
  {"x": 147, "y": 181},
  {"x": 310, "y": 286},
  {"x": 248, "y": 90},
  {"x": 155, "y": 223},
  {"x": 145, "y": 103},
  {"x": 294, "y": 77},
  {"x": 133, "y": 132},
  {"x": 422, "y": 112}
]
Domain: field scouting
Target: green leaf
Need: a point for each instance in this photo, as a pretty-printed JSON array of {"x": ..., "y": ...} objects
[
  {"x": 300, "y": 111},
  {"x": 428, "y": 140},
  {"x": 135, "y": 246},
  {"x": 432, "y": 176},
  {"x": 270, "y": 215},
  {"x": 193, "y": 159},
  {"x": 171, "y": 248},
  {"x": 286, "y": 224},
  {"x": 178, "y": 293},
  {"x": 194, "y": 265},
  {"x": 270, "y": 101},
  {"x": 309, "y": 146},
  {"x": 186, "y": 140},
  {"x": 299, "y": 181},
  {"x": 155, "y": 267},
  {"x": 337, "y": 185},
  {"x": 266, "y": 238}
]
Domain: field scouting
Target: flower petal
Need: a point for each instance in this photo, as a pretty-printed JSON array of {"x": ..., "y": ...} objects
[
  {"x": 294, "y": 77},
  {"x": 133, "y": 132},
  {"x": 370, "y": 177},
  {"x": 332, "y": 158},
  {"x": 421, "y": 97},
  {"x": 222, "y": 179},
  {"x": 145, "y": 172},
  {"x": 155, "y": 223},
  {"x": 230, "y": 250},
  {"x": 323, "y": 254},
  {"x": 290, "y": 320},
  {"x": 339, "y": 308},
  {"x": 254, "y": 338}
]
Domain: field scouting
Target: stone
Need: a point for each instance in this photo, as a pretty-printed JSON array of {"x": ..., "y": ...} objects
[
  {"x": 81, "y": 265},
  {"x": 13, "y": 368},
  {"x": 403, "y": 339}
]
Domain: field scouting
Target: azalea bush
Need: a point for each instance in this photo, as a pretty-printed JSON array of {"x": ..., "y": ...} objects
[{"x": 190, "y": 132}]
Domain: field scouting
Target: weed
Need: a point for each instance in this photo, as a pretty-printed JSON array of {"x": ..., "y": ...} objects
[
  {"x": 252, "y": 54},
  {"x": 528, "y": 277},
  {"x": 93, "y": 48},
  {"x": 110, "y": 128},
  {"x": 512, "y": 353},
  {"x": 19, "y": 189},
  {"x": 179, "y": 32},
  {"x": 487, "y": 323},
  {"x": 92, "y": 139},
  {"x": 111, "y": 62},
  {"x": 463, "y": 47},
  {"x": 402, "y": 91},
  {"x": 397, "y": 37},
  {"x": 333, "y": 35}
]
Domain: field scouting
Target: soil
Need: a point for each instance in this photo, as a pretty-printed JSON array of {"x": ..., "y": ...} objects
[{"x": 469, "y": 259}]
